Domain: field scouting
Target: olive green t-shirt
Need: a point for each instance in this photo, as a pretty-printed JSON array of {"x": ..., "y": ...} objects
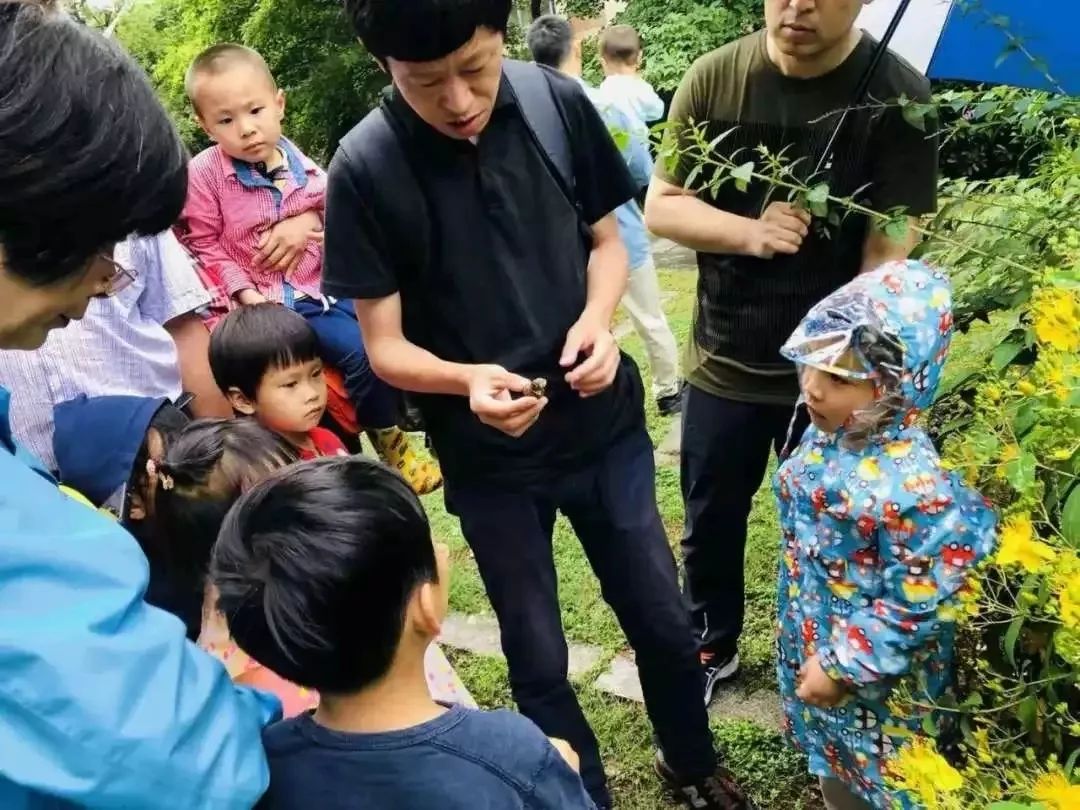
[{"x": 746, "y": 306}]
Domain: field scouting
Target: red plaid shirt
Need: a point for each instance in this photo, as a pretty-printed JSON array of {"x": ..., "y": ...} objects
[{"x": 228, "y": 208}]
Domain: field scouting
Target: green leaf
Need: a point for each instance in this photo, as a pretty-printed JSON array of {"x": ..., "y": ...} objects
[
  {"x": 742, "y": 175},
  {"x": 1020, "y": 472},
  {"x": 1011, "y": 637},
  {"x": 972, "y": 701},
  {"x": 818, "y": 194},
  {"x": 1005, "y": 353},
  {"x": 1027, "y": 712},
  {"x": 1070, "y": 763},
  {"x": 982, "y": 110},
  {"x": 929, "y": 726},
  {"x": 915, "y": 115},
  {"x": 1070, "y": 518},
  {"x": 897, "y": 229},
  {"x": 1011, "y": 806}
]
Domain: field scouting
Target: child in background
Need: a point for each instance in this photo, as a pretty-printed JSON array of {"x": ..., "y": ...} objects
[
  {"x": 879, "y": 539},
  {"x": 346, "y": 545},
  {"x": 254, "y": 219},
  {"x": 620, "y": 58},
  {"x": 208, "y": 467},
  {"x": 106, "y": 449},
  {"x": 266, "y": 360}
]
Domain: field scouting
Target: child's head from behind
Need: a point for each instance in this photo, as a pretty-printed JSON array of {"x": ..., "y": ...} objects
[
  {"x": 265, "y": 359},
  {"x": 620, "y": 49},
  {"x": 328, "y": 576},
  {"x": 870, "y": 354},
  {"x": 207, "y": 467},
  {"x": 236, "y": 100}
]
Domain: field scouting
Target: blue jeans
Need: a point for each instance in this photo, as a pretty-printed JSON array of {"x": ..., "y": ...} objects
[
  {"x": 612, "y": 506},
  {"x": 341, "y": 345}
]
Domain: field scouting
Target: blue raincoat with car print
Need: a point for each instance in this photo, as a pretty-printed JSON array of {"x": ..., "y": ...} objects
[{"x": 878, "y": 538}]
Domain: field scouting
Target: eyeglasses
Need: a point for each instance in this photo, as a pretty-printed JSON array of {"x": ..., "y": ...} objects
[{"x": 121, "y": 278}]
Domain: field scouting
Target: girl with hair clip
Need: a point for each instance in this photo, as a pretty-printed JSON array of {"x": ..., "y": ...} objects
[
  {"x": 879, "y": 539},
  {"x": 204, "y": 472}
]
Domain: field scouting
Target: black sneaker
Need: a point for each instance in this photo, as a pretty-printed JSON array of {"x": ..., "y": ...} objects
[
  {"x": 717, "y": 792},
  {"x": 671, "y": 404},
  {"x": 718, "y": 669}
]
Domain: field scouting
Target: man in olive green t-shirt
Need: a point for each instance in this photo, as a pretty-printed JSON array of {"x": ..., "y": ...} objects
[{"x": 763, "y": 263}]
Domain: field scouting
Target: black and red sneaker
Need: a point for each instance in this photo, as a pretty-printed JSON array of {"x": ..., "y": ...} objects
[{"x": 718, "y": 791}]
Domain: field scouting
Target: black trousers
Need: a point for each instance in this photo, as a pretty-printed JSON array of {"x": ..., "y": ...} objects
[
  {"x": 725, "y": 452},
  {"x": 612, "y": 507}
]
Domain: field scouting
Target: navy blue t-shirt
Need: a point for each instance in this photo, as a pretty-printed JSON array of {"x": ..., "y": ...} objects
[{"x": 461, "y": 760}]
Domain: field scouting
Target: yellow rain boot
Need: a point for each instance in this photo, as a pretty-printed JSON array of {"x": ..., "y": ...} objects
[{"x": 392, "y": 445}]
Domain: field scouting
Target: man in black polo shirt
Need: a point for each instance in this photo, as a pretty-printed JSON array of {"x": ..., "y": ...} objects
[
  {"x": 481, "y": 270},
  {"x": 763, "y": 262}
]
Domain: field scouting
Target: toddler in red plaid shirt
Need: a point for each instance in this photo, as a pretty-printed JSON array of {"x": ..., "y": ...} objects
[{"x": 253, "y": 220}]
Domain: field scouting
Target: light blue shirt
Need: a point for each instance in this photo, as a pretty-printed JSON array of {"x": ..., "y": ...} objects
[
  {"x": 103, "y": 702},
  {"x": 635, "y": 151}
]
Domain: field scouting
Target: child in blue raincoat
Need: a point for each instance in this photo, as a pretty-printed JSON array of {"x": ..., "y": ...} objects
[{"x": 879, "y": 539}]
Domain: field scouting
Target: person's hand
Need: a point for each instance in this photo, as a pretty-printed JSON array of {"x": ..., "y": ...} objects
[
  {"x": 597, "y": 371},
  {"x": 491, "y": 390},
  {"x": 282, "y": 247},
  {"x": 780, "y": 229},
  {"x": 567, "y": 753},
  {"x": 249, "y": 297},
  {"x": 815, "y": 687}
]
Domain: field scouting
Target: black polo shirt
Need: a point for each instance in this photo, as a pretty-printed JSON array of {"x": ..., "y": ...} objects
[{"x": 504, "y": 276}]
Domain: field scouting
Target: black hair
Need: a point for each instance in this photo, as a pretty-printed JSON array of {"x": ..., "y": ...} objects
[
  {"x": 217, "y": 59},
  {"x": 315, "y": 567},
  {"x": 87, "y": 154},
  {"x": 620, "y": 43},
  {"x": 550, "y": 39},
  {"x": 169, "y": 421},
  {"x": 254, "y": 339},
  {"x": 423, "y": 30},
  {"x": 206, "y": 468}
]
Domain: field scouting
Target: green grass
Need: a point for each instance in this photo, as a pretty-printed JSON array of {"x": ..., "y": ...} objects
[{"x": 772, "y": 772}]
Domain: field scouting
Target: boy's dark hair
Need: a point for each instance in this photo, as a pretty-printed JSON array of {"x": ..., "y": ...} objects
[
  {"x": 423, "y": 30},
  {"x": 620, "y": 43},
  {"x": 206, "y": 468},
  {"x": 87, "y": 154},
  {"x": 315, "y": 567},
  {"x": 254, "y": 339},
  {"x": 219, "y": 58},
  {"x": 550, "y": 39}
]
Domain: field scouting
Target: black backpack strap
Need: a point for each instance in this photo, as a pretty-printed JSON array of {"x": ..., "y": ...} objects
[
  {"x": 546, "y": 120},
  {"x": 376, "y": 144}
]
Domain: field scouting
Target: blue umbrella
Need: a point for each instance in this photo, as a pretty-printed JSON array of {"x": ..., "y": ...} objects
[{"x": 1026, "y": 43}]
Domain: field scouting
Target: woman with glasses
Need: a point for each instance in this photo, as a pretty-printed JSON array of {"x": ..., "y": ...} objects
[{"x": 102, "y": 701}]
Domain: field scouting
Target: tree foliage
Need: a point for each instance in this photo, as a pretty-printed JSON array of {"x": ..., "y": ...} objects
[
  {"x": 329, "y": 80},
  {"x": 676, "y": 32}
]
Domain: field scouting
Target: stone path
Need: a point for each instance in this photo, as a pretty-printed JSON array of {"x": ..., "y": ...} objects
[
  {"x": 671, "y": 256},
  {"x": 480, "y": 635}
]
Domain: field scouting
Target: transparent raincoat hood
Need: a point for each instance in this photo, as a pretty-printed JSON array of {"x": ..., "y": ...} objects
[{"x": 892, "y": 325}]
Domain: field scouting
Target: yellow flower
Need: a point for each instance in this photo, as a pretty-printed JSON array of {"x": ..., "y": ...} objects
[
  {"x": 1026, "y": 387},
  {"x": 1069, "y": 602},
  {"x": 1057, "y": 319},
  {"x": 1055, "y": 792},
  {"x": 920, "y": 770},
  {"x": 1018, "y": 546},
  {"x": 1011, "y": 452}
]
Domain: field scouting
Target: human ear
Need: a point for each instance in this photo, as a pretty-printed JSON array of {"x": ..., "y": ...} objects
[{"x": 240, "y": 403}]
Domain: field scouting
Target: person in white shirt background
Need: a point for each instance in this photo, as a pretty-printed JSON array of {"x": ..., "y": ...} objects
[{"x": 145, "y": 341}]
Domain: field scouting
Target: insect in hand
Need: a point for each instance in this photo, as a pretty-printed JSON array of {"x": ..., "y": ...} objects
[{"x": 537, "y": 388}]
